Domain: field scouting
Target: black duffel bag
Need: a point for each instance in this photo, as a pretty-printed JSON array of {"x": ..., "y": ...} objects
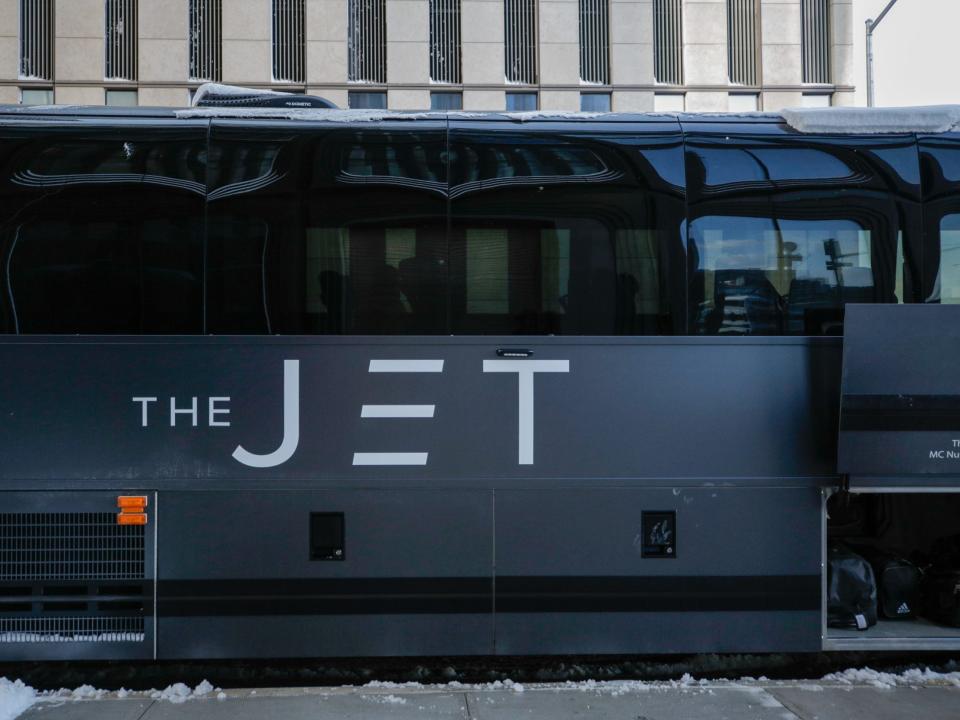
[
  {"x": 941, "y": 596},
  {"x": 851, "y": 590},
  {"x": 898, "y": 582},
  {"x": 941, "y": 583}
]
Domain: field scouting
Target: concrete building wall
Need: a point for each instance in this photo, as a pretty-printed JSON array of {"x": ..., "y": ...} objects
[
  {"x": 78, "y": 56},
  {"x": 247, "y": 34},
  {"x": 163, "y": 55},
  {"x": 9, "y": 48}
]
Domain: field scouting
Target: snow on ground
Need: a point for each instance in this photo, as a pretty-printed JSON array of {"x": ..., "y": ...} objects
[
  {"x": 15, "y": 697},
  {"x": 915, "y": 676}
]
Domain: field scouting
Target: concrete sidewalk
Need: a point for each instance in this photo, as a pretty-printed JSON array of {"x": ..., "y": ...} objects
[{"x": 600, "y": 701}]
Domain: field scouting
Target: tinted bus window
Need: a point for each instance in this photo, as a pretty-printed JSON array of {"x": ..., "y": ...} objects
[
  {"x": 101, "y": 230},
  {"x": 773, "y": 276},
  {"x": 787, "y": 230},
  {"x": 948, "y": 280},
  {"x": 940, "y": 158},
  {"x": 565, "y": 233},
  {"x": 328, "y": 231}
]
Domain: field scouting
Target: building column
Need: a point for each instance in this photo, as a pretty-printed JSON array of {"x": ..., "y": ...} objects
[
  {"x": 79, "y": 52},
  {"x": 247, "y": 42}
]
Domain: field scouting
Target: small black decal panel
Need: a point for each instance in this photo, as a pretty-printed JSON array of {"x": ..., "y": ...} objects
[
  {"x": 659, "y": 534},
  {"x": 326, "y": 536}
]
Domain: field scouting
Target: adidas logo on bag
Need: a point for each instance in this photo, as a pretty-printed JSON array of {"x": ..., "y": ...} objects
[{"x": 904, "y": 609}]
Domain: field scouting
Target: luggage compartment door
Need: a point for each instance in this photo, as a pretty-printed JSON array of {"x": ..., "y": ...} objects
[{"x": 900, "y": 404}]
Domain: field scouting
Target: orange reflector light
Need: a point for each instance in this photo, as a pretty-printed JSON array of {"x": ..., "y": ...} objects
[
  {"x": 130, "y": 518},
  {"x": 132, "y": 503}
]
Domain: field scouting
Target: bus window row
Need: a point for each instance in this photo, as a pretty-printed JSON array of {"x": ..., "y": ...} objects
[{"x": 399, "y": 230}]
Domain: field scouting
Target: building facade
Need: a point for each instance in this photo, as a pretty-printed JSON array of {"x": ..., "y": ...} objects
[{"x": 622, "y": 55}]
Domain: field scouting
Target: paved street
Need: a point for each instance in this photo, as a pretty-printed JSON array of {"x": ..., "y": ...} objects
[{"x": 600, "y": 701}]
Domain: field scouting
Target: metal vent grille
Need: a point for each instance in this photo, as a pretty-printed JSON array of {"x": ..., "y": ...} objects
[
  {"x": 668, "y": 41},
  {"x": 206, "y": 18},
  {"x": 742, "y": 41},
  {"x": 121, "y": 40},
  {"x": 71, "y": 629},
  {"x": 595, "y": 41},
  {"x": 520, "y": 50},
  {"x": 445, "y": 41},
  {"x": 815, "y": 20},
  {"x": 367, "y": 41},
  {"x": 289, "y": 41},
  {"x": 36, "y": 39},
  {"x": 67, "y": 546}
]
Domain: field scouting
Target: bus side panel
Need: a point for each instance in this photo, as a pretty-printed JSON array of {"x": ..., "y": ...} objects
[
  {"x": 75, "y": 582},
  {"x": 257, "y": 573},
  {"x": 742, "y": 573}
]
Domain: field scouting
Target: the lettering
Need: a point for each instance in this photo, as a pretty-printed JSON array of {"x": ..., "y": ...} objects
[
  {"x": 191, "y": 411},
  {"x": 525, "y": 370},
  {"x": 144, "y": 404},
  {"x": 213, "y": 411},
  {"x": 291, "y": 424}
]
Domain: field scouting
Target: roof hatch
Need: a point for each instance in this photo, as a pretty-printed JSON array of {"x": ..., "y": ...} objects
[{"x": 214, "y": 95}]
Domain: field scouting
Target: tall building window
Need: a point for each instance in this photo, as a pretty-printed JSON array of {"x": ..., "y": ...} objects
[
  {"x": 121, "y": 98},
  {"x": 205, "y": 46},
  {"x": 446, "y": 101},
  {"x": 742, "y": 16},
  {"x": 365, "y": 100},
  {"x": 445, "y": 41},
  {"x": 595, "y": 102},
  {"x": 367, "y": 41},
  {"x": 121, "y": 40},
  {"x": 521, "y": 101},
  {"x": 668, "y": 41},
  {"x": 36, "y": 39},
  {"x": 34, "y": 96},
  {"x": 815, "y": 21},
  {"x": 595, "y": 41},
  {"x": 289, "y": 41},
  {"x": 520, "y": 48}
]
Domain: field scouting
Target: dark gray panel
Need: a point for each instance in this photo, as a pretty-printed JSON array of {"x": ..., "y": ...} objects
[
  {"x": 746, "y": 575},
  {"x": 721, "y": 531},
  {"x": 416, "y": 578},
  {"x": 383, "y": 635},
  {"x": 657, "y": 632},
  {"x": 263, "y": 534},
  {"x": 900, "y": 411},
  {"x": 657, "y": 408}
]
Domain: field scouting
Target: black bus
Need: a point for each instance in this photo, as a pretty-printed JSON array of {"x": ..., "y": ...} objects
[{"x": 280, "y": 383}]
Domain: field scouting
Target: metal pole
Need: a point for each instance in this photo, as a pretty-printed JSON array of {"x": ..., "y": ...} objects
[
  {"x": 869, "y": 62},
  {"x": 871, "y": 26}
]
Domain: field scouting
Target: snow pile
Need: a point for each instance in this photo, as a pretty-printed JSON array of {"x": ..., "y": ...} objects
[
  {"x": 347, "y": 115},
  {"x": 306, "y": 114},
  {"x": 386, "y": 699},
  {"x": 230, "y": 91},
  {"x": 873, "y": 121},
  {"x": 15, "y": 698},
  {"x": 84, "y": 692},
  {"x": 180, "y": 692},
  {"x": 876, "y": 678}
]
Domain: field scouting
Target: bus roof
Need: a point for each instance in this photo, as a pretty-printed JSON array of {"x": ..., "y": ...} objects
[{"x": 834, "y": 120}]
